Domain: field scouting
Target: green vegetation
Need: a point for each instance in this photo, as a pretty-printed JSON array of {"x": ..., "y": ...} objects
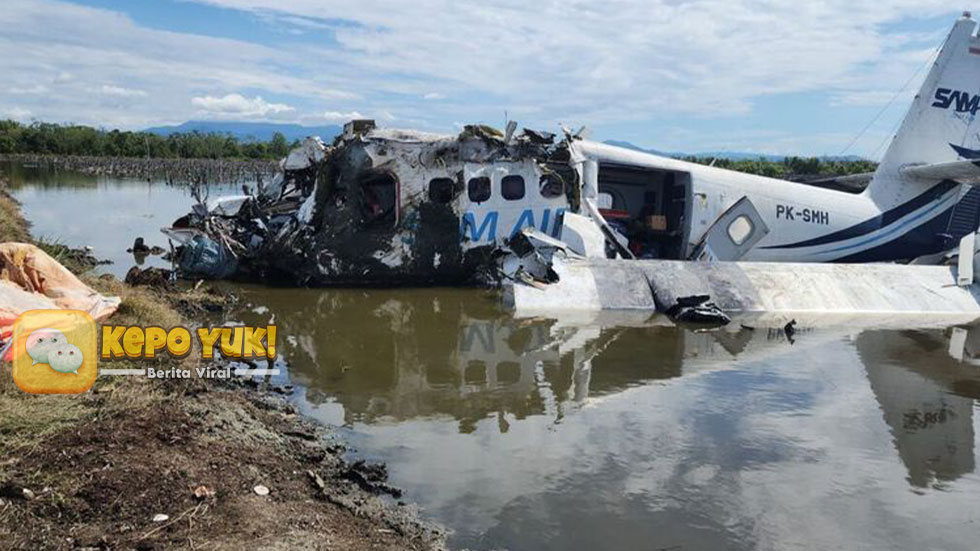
[
  {"x": 56, "y": 139},
  {"x": 791, "y": 167},
  {"x": 13, "y": 227}
]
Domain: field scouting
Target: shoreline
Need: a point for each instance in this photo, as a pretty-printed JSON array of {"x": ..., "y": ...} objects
[
  {"x": 171, "y": 170},
  {"x": 92, "y": 471}
]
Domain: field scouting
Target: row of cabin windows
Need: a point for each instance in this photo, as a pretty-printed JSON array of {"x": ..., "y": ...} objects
[{"x": 443, "y": 190}]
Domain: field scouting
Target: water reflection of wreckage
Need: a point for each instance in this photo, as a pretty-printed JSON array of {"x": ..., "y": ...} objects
[
  {"x": 419, "y": 355},
  {"x": 449, "y": 355},
  {"x": 926, "y": 399}
]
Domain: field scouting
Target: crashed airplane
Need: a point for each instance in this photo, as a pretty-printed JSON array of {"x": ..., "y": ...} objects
[{"x": 382, "y": 206}]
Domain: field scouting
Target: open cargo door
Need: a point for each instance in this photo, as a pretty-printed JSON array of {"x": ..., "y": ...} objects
[{"x": 732, "y": 234}]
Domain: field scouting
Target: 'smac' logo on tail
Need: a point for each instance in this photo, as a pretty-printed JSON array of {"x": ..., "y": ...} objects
[{"x": 964, "y": 101}]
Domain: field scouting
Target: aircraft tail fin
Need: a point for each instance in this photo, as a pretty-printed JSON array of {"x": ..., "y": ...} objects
[{"x": 941, "y": 125}]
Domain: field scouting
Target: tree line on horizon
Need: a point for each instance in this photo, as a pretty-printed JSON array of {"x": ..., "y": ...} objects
[
  {"x": 72, "y": 139},
  {"x": 790, "y": 167}
]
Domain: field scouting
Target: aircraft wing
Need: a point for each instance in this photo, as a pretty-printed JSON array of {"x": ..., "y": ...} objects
[{"x": 964, "y": 172}]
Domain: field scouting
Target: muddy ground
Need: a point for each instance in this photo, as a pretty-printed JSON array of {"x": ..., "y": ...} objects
[
  {"x": 94, "y": 471},
  {"x": 196, "y": 454}
]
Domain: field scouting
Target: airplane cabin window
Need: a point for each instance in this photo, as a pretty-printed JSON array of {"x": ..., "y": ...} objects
[
  {"x": 740, "y": 229},
  {"x": 478, "y": 189},
  {"x": 379, "y": 196},
  {"x": 475, "y": 373},
  {"x": 551, "y": 185},
  {"x": 442, "y": 190},
  {"x": 512, "y": 187},
  {"x": 508, "y": 373},
  {"x": 605, "y": 200}
]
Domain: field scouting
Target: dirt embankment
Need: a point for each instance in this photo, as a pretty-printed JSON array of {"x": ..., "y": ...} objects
[
  {"x": 13, "y": 227},
  {"x": 192, "y": 464}
]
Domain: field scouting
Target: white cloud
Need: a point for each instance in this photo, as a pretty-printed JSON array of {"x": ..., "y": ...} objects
[
  {"x": 28, "y": 90},
  {"x": 632, "y": 61},
  {"x": 111, "y": 90},
  {"x": 862, "y": 98},
  {"x": 337, "y": 116},
  {"x": 629, "y": 59},
  {"x": 76, "y": 50},
  {"x": 239, "y": 106},
  {"x": 17, "y": 114}
]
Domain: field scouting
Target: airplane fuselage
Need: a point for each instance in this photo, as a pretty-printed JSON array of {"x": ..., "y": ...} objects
[{"x": 808, "y": 223}]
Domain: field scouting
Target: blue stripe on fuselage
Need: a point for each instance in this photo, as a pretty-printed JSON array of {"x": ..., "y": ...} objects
[
  {"x": 877, "y": 222},
  {"x": 921, "y": 241},
  {"x": 892, "y": 230}
]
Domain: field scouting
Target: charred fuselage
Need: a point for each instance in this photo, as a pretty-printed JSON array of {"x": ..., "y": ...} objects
[{"x": 383, "y": 207}]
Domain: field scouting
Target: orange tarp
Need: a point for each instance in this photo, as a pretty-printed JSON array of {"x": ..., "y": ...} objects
[{"x": 31, "y": 280}]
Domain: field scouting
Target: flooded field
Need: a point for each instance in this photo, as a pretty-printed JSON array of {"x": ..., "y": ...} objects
[
  {"x": 105, "y": 213},
  {"x": 587, "y": 434}
]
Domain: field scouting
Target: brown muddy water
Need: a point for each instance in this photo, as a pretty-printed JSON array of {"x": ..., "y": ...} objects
[{"x": 581, "y": 434}]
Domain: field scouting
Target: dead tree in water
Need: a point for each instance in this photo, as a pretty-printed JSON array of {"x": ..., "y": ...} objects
[{"x": 171, "y": 171}]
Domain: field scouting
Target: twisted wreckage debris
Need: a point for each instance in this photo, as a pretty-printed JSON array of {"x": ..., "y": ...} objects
[{"x": 380, "y": 207}]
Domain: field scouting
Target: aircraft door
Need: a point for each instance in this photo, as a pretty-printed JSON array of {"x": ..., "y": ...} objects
[{"x": 732, "y": 234}]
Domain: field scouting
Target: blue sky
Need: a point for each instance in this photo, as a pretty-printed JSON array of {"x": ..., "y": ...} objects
[{"x": 750, "y": 75}]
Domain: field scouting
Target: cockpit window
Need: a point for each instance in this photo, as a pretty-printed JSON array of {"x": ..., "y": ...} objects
[
  {"x": 478, "y": 189},
  {"x": 512, "y": 187}
]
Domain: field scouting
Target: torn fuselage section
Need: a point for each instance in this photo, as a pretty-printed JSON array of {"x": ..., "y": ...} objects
[{"x": 382, "y": 206}]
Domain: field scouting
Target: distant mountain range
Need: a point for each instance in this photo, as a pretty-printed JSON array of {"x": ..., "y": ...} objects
[
  {"x": 731, "y": 155},
  {"x": 251, "y": 131}
]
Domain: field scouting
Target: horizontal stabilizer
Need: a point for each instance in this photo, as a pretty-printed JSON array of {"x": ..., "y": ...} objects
[
  {"x": 849, "y": 182},
  {"x": 964, "y": 172}
]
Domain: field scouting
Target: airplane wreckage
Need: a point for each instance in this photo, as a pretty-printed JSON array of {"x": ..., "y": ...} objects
[{"x": 570, "y": 224}]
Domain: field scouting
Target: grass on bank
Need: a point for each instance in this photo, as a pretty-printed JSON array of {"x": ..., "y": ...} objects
[
  {"x": 27, "y": 420},
  {"x": 13, "y": 227}
]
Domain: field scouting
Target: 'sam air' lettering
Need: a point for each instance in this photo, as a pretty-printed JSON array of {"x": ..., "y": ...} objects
[
  {"x": 489, "y": 225},
  {"x": 472, "y": 229}
]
